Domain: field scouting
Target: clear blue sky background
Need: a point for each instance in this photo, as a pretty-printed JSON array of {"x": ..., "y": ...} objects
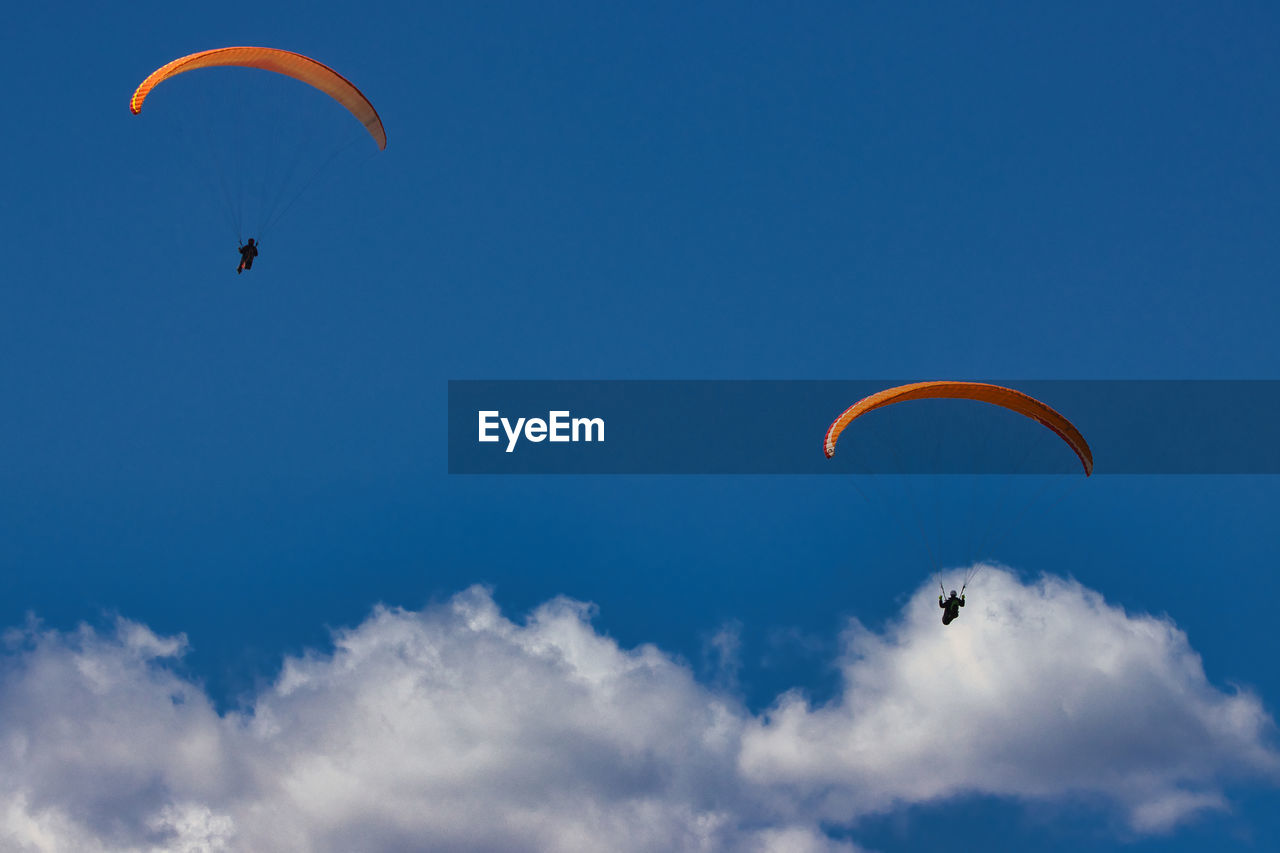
[{"x": 587, "y": 190}]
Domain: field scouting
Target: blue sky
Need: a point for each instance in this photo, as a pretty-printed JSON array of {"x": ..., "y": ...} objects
[{"x": 606, "y": 191}]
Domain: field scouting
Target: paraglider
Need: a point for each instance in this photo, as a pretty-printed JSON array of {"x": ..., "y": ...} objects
[
  {"x": 248, "y": 252},
  {"x": 261, "y": 164},
  {"x": 950, "y": 607},
  {"x": 995, "y": 395}
]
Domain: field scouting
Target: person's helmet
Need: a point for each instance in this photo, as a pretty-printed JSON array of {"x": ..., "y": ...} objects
[
  {"x": 953, "y": 593},
  {"x": 250, "y": 241}
]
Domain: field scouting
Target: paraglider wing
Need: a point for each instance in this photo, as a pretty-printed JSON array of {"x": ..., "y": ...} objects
[
  {"x": 284, "y": 62},
  {"x": 996, "y": 395}
]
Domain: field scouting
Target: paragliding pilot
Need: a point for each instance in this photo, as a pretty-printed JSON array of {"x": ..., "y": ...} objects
[
  {"x": 950, "y": 607},
  {"x": 247, "y": 253}
]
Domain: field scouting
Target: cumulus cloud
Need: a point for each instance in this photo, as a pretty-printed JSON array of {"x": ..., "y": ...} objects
[
  {"x": 459, "y": 728},
  {"x": 1038, "y": 691}
]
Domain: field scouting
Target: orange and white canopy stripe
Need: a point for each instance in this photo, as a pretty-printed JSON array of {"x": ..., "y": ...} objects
[
  {"x": 996, "y": 395},
  {"x": 284, "y": 62}
]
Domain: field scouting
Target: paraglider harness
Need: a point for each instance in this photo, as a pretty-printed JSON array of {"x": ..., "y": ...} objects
[{"x": 951, "y": 606}]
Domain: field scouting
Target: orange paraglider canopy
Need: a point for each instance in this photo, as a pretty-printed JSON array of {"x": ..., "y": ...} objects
[
  {"x": 996, "y": 395},
  {"x": 284, "y": 62}
]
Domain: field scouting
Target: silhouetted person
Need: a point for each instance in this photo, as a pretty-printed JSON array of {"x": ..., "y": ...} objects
[
  {"x": 950, "y": 607},
  {"x": 247, "y": 253}
]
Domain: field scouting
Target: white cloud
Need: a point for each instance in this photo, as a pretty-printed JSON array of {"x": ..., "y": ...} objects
[
  {"x": 458, "y": 728},
  {"x": 1038, "y": 691}
]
